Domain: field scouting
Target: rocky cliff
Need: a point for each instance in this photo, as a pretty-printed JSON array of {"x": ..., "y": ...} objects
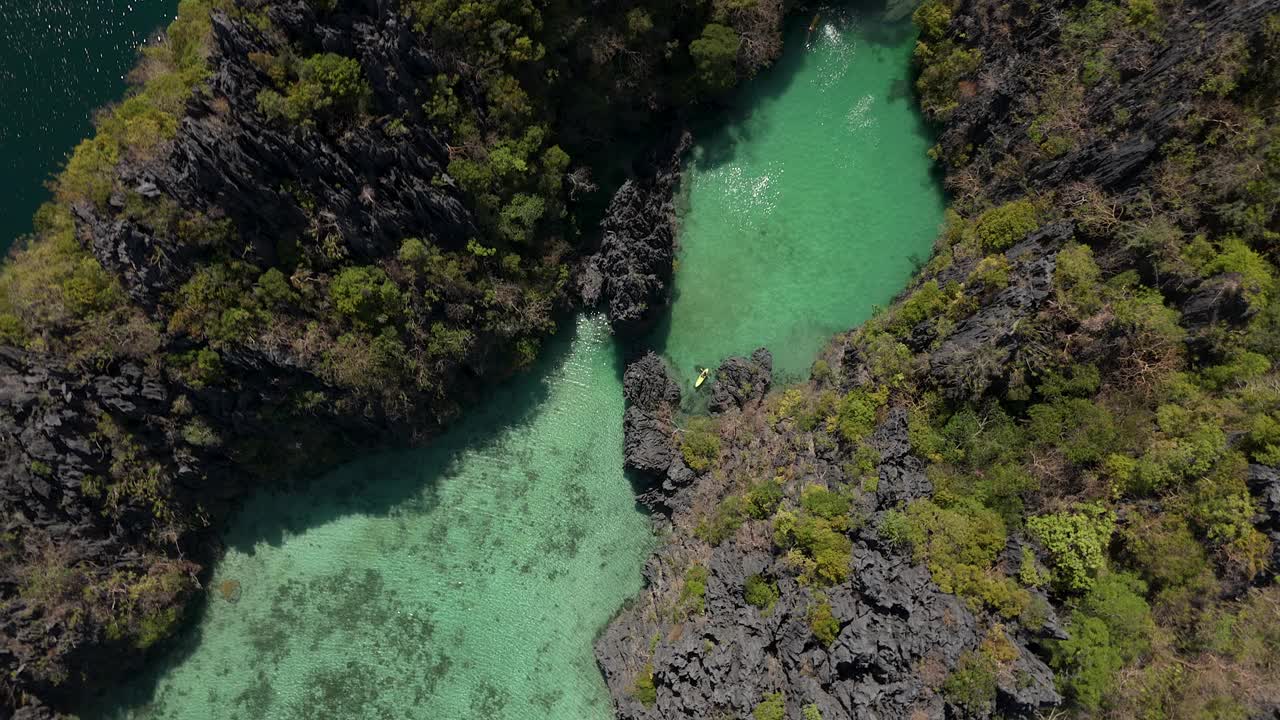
[{"x": 629, "y": 277}]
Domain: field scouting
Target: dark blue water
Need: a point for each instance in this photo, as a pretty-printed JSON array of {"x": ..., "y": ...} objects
[{"x": 59, "y": 60}]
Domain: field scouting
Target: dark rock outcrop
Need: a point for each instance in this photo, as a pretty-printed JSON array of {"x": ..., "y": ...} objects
[
  {"x": 649, "y": 433},
  {"x": 976, "y": 353},
  {"x": 898, "y": 633},
  {"x": 367, "y": 188},
  {"x": 268, "y": 194},
  {"x": 741, "y": 380},
  {"x": 895, "y": 627},
  {"x": 1153, "y": 92},
  {"x": 1264, "y": 481},
  {"x": 48, "y": 420},
  {"x": 899, "y": 636},
  {"x": 629, "y": 277},
  {"x": 900, "y": 472},
  {"x": 652, "y": 395},
  {"x": 1218, "y": 299},
  {"x": 53, "y": 447}
]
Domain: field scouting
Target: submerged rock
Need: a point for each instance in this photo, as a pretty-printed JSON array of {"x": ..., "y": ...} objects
[{"x": 230, "y": 590}]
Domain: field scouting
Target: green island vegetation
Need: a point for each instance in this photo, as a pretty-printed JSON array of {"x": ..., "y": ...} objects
[{"x": 1110, "y": 445}]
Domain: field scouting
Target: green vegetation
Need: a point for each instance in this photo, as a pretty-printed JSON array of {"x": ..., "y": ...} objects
[
  {"x": 328, "y": 86},
  {"x": 763, "y": 498},
  {"x": 992, "y": 273},
  {"x": 972, "y": 685},
  {"x": 714, "y": 54},
  {"x": 507, "y": 124},
  {"x": 643, "y": 688},
  {"x": 723, "y": 522},
  {"x": 135, "y": 603},
  {"x": 760, "y": 592},
  {"x": 856, "y": 414},
  {"x": 1094, "y": 448},
  {"x": 959, "y": 545},
  {"x": 771, "y": 708},
  {"x": 932, "y": 18},
  {"x": 700, "y": 444},
  {"x": 928, "y": 301},
  {"x": 816, "y": 546},
  {"x": 822, "y": 622},
  {"x": 1001, "y": 227},
  {"x": 1111, "y": 627},
  {"x": 945, "y": 67},
  {"x": 1116, "y": 437},
  {"x": 531, "y": 100},
  {"x": 823, "y": 503},
  {"x": 1105, "y": 436},
  {"x": 1076, "y": 543},
  {"x": 694, "y": 591},
  {"x": 135, "y": 128},
  {"x": 136, "y": 482},
  {"x": 366, "y": 296}
]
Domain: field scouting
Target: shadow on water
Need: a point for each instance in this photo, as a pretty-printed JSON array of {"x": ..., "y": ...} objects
[
  {"x": 385, "y": 484},
  {"x": 396, "y": 481},
  {"x": 727, "y": 126}
]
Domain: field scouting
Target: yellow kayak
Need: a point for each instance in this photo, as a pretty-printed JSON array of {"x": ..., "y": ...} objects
[{"x": 702, "y": 377}]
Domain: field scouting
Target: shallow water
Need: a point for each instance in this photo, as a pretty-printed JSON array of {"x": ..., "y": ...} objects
[
  {"x": 469, "y": 579},
  {"x": 807, "y": 208},
  {"x": 464, "y": 580},
  {"x": 59, "y": 60}
]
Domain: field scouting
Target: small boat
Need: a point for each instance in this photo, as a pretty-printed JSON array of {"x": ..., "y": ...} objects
[{"x": 702, "y": 377}]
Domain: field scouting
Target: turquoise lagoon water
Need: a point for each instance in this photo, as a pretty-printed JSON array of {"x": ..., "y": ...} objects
[
  {"x": 469, "y": 579},
  {"x": 808, "y": 207}
]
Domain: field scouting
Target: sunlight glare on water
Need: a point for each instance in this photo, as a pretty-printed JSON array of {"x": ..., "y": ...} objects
[
  {"x": 59, "y": 60},
  {"x": 807, "y": 208}
]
